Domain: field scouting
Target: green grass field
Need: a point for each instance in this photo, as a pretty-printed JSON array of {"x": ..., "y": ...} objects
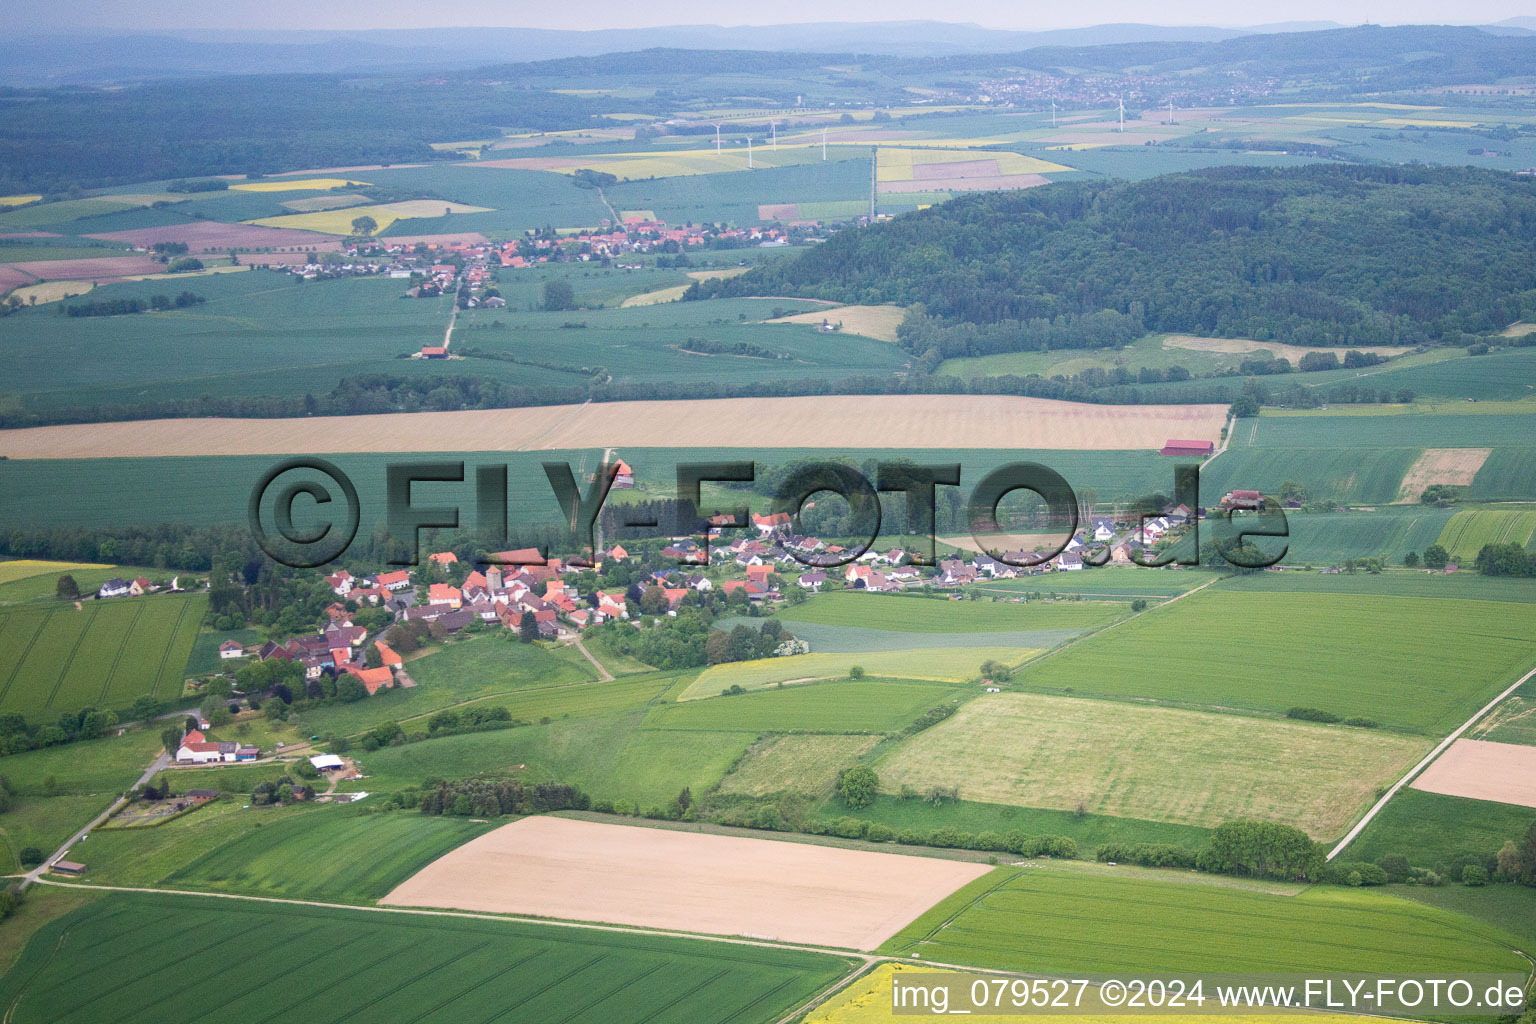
[
  {"x": 1112, "y": 582},
  {"x": 27, "y": 586},
  {"x": 1470, "y": 529},
  {"x": 1157, "y": 764},
  {"x": 205, "y": 658},
  {"x": 384, "y": 967},
  {"x": 940, "y": 664},
  {"x": 1063, "y": 920},
  {"x": 608, "y": 756},
  {"x": 1408, "y": 663},
  {"x": 825, "y": 639},
  {"x": 1513, "y": 721},
  {"x": 105, "y": 766},
  {"x": 102, "y": 656},
  {"x": 475, "y": 667},
  {"x": 1428, "y": 828},
  {"x": 1325, "y": 538},
  {"x": 937, "y": 615},
  {"x": 865, "y": 705},
  {"x": 801, "y": 763}
]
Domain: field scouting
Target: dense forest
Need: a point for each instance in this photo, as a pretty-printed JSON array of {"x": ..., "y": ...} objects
[
  {"x": 56, "y": 139},
  {"x": 1320, "y": 255}
]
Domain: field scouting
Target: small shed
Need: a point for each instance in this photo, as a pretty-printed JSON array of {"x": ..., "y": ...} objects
[{"x": 68, "y": 867}]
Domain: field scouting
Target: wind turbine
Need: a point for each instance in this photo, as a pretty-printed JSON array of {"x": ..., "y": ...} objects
[
  {"x": 1053, "y": 113},
  {"x": 749, "y": 151},
  {"x": 1122, "y": 113},
  {"x": 1170, "y": 111},
  {"x": 717, "y": 139},
  {"x": 773, "y": 126},
  {"x": 823, "y": 143}
]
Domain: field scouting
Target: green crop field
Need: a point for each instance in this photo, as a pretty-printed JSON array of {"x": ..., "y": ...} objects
[
  {"x": 102, "y": 767},
  {"x": 1369, "y": 476},
  {"x": 1513, "y": 721},
  {"x": 1408, "y": 663},
  {"x": 942, "y": 664},
  {"x": 1430, "y": 828},
  {"x": 1469, "y": 529},
  {"x": 1396, "y": 583},
  {"x": 1329, "y": 537},
  {"x": 864, "y": 705},
  {"x": 331, "y": 853},
  {"x": 102, "y": 656},
  {"x": 1506, "y": 476},
  {"x": 42, "y": 587},
  {"x": 1157, "y": 764},
  {"x": 384, "y": 967},
  {"x": 608, "y": 756},
  {"x": 1113, "y": 582},
  {"x": 802, "y": 763},
  {"x": 825, "y": 639},
  {"x": 930, "y": 615},
  {"x": 1059, "y": 921}
]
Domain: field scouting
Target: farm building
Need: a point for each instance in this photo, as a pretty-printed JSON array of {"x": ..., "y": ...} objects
[
  {"x": 197, "y": 749},
  {"x": 1187, "y": 448},
  {"x": 434, "y": 352},
  {"x": 623, "y": 476},
  {"x": 68, "y": 867},
  {"x": 1243, "y": 499},
  {"x": 114, "y": 587},
  {"x": 231, "y": 649},
  {"x": 327, "y": 763}
]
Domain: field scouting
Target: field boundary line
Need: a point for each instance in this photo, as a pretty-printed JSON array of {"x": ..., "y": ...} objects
[
  {"x": 64, "y": 672},
  {"x": 1026, "y": 666},
  {"x": 25, "y": 652},
  {"x": 106, "y": 683},
  {"x": 1416, "y": 769}
]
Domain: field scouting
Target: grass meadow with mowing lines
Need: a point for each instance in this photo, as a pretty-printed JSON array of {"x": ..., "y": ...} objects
[
  {"x": 938, "y": 615},
  {"x": 608, "y": 756},
  {"x": 1056, "y": 921},
  {"x": 1158, "y": 764},
  {"x": 939, "y": 664},
  {"x": 863, "y": 705},
  {"x": 1469, "y": 529},
  {"x": 104, "y": 655},
  {"x": 1430, "y": 828},
  {"x": 386, "y": 968},
  {"x": 1410, "y": 664},
  {"x": 805, "y": 764}
]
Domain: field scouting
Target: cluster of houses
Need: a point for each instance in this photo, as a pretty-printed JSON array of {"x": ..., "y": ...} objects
[{"x": 119, "y": 587}]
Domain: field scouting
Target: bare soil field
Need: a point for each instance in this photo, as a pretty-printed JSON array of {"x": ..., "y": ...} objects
[
  {"x": 1157, "y": 764},
  {"x": 10, "y": 277},
  {"x": 1453, "y": 466},
  {"x": 878, "y": 322},
  {"x": 687, "y": 881},
  {"x": 858, "y": 421},
  {"x": 91, "y": 269},
  {"x": 429, "y": 208},
  {"x": 1239, "y": 346},
  {"x": 1502, "y": 772},
  {"x": 212, "y": 236}
]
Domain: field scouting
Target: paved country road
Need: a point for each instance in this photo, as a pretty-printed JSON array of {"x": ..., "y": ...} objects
[{"x": 154, "y": 769}]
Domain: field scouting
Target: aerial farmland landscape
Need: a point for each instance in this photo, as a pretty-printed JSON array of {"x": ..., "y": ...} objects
[{"x": 799, "y": 516}]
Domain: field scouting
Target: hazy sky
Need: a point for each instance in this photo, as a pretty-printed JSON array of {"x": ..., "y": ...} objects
[{"x": 353, "y": 14}]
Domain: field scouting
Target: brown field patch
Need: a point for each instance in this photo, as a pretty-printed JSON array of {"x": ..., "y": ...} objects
[
  {"x": 878, "y": 322},
  {"x": 1512, "y": 331},
  {"x": 212, "y": 236},
  {"x": 1242, "y": 346},
  {"x": 315, "y": 172},
  {"x": 93, "y": 268},
  {"x": 534, "y": 163},
  {"x": 857, "y": 421},
  {"x": 711, "y": 275},
  {"x": 1455, "y": 467},
  {"x": 1480, "y": 770},
  {"x": 957, "y": 169},
  {"x": 952, "y": 183},
  {"x": 10, "y": 277},
  {"x": 686, "y": 881},
  {"x": 778, "y": 211}
]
